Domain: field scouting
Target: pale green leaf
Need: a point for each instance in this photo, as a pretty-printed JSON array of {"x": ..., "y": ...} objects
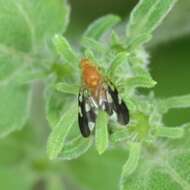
[
  {"x": 25, "y": 28},
  {"x": 92, "y": 44},
  {"x": 56, "y": 140},
  {"x": 75, "y": 148},
  {"x": 121, "y": 135},
  {"x": 131, "y": 104},
  {"x": 67, "y": 88},
  {"x": 146, "y": 16},
  {"x": 169, "y": 132},
  {"x": 33, "y": 22},
  {"x": 49, "y": 17},
  {"x": 57, "y": 103},
  {"x": 142, "y": 38},
  {"x": 175, "y": 102},
  {"x": 63, "y": 48},
  {"x": 131, "y": 163},
  {"x": 32, "y": 25},
  {"x": 163, "y": 166},
  {"x": 100, "y": 26},
  {"x": 10, "y": 63},
  {"x": 115, "y": 39},
  {"x": 15, "y": 102},
  {"x": 136, "y": 82},
  {"x": 120, "y": 58},
  {"x": 101, "y": 132},
  {"x": 178, "y": 26},
  {"x": 140, "y": 71}
]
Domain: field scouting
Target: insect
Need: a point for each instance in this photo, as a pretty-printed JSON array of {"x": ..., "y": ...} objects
[{"x": 97, "y": 93}]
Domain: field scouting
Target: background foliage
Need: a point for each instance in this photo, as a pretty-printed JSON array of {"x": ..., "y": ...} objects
[{"x": 30, "y": 93}]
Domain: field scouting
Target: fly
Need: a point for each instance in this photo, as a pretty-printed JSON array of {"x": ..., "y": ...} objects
[{"x": 98, "y": 94}]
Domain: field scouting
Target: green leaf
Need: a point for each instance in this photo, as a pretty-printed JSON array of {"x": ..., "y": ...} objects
[
  {"x": 10, "y": 64},
  {"x": 14, "y": 101},
  {"x": 175, "y": 102},
  {"x": 178, "y": 26},
  {"x": 119, "y": 59},
  {"x": 75, "y": 148},
  {"x": 146, "y": 16},
  {"x": 33, "y": 27},
  {"x": 142, "y": 38},
  {"x": 63, "y": 48},
  {"x": 169, "y": 132},
  {"x": 45, "y": 13},
  {"x": 100, "y": 26},
  {"x": 131, "y": 164},
  {"x": 140, "y": 71},
  {"x": 163, "y": 166},
  {"x": 56, "y": 140},
  {"x": 57, "y": 103},
  {"x": 32, "y": 22},
  {"x": 121, "y": 135},
  {"x": 131, "y": 104},
  {"x": 136, "y": 82},
  {"x": 92, "y": 44},
  {"x": 101, "y": 132},
  {"x": 67, "y": 88}
]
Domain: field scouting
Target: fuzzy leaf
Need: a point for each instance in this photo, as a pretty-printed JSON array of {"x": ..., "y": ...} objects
[
  {"x": 146, "y": 16},
  {"x": 92, "y": 44},
  {"x": 120, "y": 58},
  {"x": 56, "y": 140},
  {"x": 169, "y": 132},
  {"x": 140, "y": 39},
  {"x": 175, "y": 102},
  {"x": 32, "y": 22},
  {"x": 178, "y": 26},
  {"x": 101, "y": 132},
  {"x": 75, "y": 148},
  {"x": 14, "y": 101},
  {"x": 63, "y": 48},
  {"x": 67, "y": 88},
  {"x": 121, "y": 135},
  {"x": 33, "y": 27},
  {"x": 163, "y": 166},
  {"x": 132, "y": 162},
  {"x": 136, "y": 82},
  {"x": 100, "y": 26},
  {"x": 56, "y": 105}
]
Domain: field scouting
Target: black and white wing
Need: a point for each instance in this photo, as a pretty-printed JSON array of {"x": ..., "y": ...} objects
[
  {"x": 118, "y": 106},
  {"x": 110, "y": 102},
  {"x": 86, "y": 115}
]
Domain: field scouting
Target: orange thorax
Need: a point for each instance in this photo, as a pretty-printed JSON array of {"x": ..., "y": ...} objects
[{"x": 91, "y": 76}]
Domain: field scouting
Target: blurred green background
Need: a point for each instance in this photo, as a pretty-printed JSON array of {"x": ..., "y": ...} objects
[{"x": 169, "y": 56}]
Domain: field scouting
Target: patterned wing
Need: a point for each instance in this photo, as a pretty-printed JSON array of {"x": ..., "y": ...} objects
[
  {"x": 86, "y": 115},
  {"x": 119, "y": 106}
]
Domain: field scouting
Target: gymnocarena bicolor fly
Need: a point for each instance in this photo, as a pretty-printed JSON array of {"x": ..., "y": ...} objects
[{"x": 97, "y": 93}]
